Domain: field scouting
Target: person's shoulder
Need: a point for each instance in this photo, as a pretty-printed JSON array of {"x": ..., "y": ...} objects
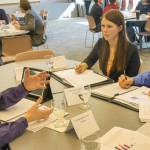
[{"x": 131, "y": 46}]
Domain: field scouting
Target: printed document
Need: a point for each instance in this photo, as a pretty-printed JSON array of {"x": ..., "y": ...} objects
[{"x": 123, "y": 139}]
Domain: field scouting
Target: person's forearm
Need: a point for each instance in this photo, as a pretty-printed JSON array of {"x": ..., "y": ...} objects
[
  {"x": 142, "y": 79},
  {"x": 10, "y": 131},
  {"x": 11, "y": 96}
]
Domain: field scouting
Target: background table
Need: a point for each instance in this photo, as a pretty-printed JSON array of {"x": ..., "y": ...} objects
[
  {"x": 106, "y": 114},
  {"x": 138, "y": 23}
]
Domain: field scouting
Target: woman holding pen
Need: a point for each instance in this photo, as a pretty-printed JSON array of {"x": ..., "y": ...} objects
[{"x": 115, "y": 53}]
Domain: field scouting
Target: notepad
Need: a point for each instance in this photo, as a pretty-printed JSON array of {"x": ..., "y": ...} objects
[
  {"x": 112, "y": 90},
  {"x": 134, "y": 97},
  {"x": 88, "y": 77}
]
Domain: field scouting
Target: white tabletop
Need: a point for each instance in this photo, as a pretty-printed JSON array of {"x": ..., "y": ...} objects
[
  {"x": 106, "y": 114},
  {"x": 9, "y": 30}
]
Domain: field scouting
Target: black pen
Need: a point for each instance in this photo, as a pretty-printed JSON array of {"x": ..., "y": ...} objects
[{"x": 125, "y": 74}]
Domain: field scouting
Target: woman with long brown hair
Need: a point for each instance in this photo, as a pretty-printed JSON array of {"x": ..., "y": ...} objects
[{"x": 115, "y": 53}]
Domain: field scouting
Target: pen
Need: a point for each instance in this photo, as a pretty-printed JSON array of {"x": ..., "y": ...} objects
[{"x": 125, "y": 74}]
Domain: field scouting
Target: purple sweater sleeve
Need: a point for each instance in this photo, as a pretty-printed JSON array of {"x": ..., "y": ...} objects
[
  {"x": 11, "y": 96},
  {"x": 10, "y": 131},
  {"x": 142, "y": 79}
]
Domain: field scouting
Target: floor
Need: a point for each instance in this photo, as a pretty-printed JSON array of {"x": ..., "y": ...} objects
[{"x": 67, "y": 37}]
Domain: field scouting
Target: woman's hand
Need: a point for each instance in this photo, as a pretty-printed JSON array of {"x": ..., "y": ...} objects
[{"x": 81, "y": 68}]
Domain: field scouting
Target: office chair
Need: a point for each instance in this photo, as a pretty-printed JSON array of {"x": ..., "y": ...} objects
[
  {"x": 34, "y": 54},
  {"x": 146, "y": 33},
  {"x": 14, "y": 45},
  {"x": 91, "y": 27}
]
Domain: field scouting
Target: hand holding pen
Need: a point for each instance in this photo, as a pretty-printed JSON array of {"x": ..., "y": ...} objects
[
  {"x": 125, "y": 82},
  {"x": 81, "y": 68}
]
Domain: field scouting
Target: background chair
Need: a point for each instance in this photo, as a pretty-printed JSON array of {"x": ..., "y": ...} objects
[
  {"x": 92, "y": 26},
  {"x": 146, "y": 33},
  {"x": 34, "y": 54},
  {"x": 14, "y": 45},
  {"x": 44, "y": 16}
]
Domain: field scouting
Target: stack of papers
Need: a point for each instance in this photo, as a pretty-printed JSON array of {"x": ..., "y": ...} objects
[{"x": 88, "y": 77}]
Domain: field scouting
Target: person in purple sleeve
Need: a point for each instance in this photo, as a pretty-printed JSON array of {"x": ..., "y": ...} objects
[
  {"x": 142, "y": 79},
  {"x": 11, "y": 130}
]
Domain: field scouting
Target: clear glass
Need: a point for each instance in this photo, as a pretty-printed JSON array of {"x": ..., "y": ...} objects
[
  {"x": 84, "y": 94},
  {"x": 49, "y": 61},
  {"x": 59, "y": 106},
  {"x": 90, "y": 141}
]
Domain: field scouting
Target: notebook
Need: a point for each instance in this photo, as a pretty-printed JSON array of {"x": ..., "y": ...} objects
[{"x": 88, "y": 77}]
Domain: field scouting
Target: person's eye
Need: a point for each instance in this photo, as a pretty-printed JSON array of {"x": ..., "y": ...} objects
[{"x": 109, "y": 26}]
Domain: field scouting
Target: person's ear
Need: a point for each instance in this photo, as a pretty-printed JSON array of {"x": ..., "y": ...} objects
[{"x": 120, "y": 28}]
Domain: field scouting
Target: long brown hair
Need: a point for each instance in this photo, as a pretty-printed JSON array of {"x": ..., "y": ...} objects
[{"x": 119, "y": 62}]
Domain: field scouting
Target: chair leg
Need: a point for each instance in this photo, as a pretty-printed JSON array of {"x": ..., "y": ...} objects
[
  {"x": 93, "y": 39},
  {"x": 86, "y": 37}
]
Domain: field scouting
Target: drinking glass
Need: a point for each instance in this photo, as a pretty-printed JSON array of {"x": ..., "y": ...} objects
[
  {"x": 59, "y": 106},
  {"x": 90, "y": 141},
  {"x": 49, "y": 61},
  {"x": 84, "y": 94}
]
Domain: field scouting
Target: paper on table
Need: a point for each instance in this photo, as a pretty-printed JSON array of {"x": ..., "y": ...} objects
[
  {"x": 67, "y": 126},
  {"x": 84, "y": 123},
  {"x": 59, "y": 62},
  {"x": 72, "y": 97},
  {"x": 134, "y": 97},
  {"x": 111, "y": 90},
  {"x": 145, "y": 129},
  {"x": 119, "y": 138},
  {"x": 144, "y": 110},
  {"x": 37, "y": 125},
  {"x": 18, "y": 109},
  {"x": 88, "y": 77}
]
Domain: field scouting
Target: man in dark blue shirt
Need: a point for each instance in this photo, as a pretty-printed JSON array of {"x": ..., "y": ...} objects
[
  {"x": 143, "y": 6},
  {"x": 3, "y": 16}
]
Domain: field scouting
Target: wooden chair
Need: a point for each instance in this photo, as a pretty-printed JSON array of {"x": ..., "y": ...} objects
[
  {"x": 147, "y": 32},
  {"x": 14, "y": 45},
  {"x": 91, "y": 27},
  {"x": 34, "y": 54}
]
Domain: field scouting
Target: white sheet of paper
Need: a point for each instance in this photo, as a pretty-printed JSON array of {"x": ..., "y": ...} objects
[
  {"x": 145, "y": 129},
  {"x": 37, "y": 125},
  {"x": 86, "y": 78},
  {"x": 144, "y": 110},
  {"x": 62, "y": 129},
  {"x": 72, "y": 97},
  {"x": 84, "y": 123},
  {"x": 117, "y": 138},
  {"x": 59, "y": 62},
  {"x": 16, "y": 110}
]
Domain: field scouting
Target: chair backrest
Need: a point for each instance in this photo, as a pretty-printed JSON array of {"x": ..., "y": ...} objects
[
  {"x": 147, "y": 26},
  {"x": 16, "y": 44},
  {"x": 91, "y": 22},
  {"x": 34, "y": 54}
]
